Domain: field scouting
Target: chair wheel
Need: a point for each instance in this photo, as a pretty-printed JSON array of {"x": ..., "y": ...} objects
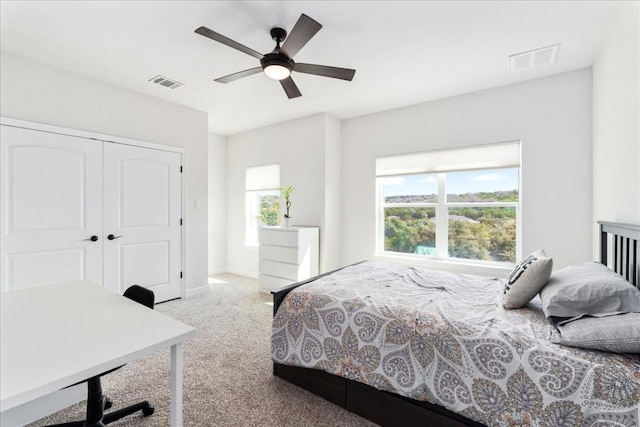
[
  {"x": 148, "y": 410},
  {"x": 108, "y": 403}
]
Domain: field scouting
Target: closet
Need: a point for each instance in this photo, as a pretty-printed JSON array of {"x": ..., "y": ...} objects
[{"x": 74, "y": 207}]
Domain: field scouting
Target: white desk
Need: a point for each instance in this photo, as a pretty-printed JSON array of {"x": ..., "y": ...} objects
[{"x": 57, "y": 335}]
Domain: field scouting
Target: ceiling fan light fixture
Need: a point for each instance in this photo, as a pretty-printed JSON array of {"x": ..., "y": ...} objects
[
  {"x": 278, "y": 64},
  {"x": 277, "y": 72}
]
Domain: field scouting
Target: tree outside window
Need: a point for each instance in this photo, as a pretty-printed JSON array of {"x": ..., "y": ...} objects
[{"x": 262, "y": 200}]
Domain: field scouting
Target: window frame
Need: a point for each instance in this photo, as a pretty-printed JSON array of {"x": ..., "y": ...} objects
[
  {"x": 251, "y": 207},
  {"x": 441, "y": 256}
]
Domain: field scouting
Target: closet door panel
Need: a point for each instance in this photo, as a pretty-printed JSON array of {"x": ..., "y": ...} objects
[
  {"x": 39, "y": 202},
  {"x": 34, "y": 268},
  {"x": 142, "y": 212},
  {"x": 145, "y": 195},
  {"x": 147, "y": 262},
  {"x": 51, "y": 205}
]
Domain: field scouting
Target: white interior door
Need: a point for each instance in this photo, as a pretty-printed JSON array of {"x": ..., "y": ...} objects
[
  {"x": 142, "y": 215},
  {"x": 50, "y": 208}
]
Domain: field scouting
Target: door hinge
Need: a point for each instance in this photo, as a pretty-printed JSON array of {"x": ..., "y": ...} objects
[
  {"x": 181, "y": 274},
  {"x": 180, "y": 169},
  {"x": 180, "y": 221}
]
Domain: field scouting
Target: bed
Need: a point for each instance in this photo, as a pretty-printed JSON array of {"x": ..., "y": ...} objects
[{"x": 415, "y": 347}]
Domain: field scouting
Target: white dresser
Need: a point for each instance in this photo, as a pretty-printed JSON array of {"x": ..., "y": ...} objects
[{"x": 287, "y": 255}]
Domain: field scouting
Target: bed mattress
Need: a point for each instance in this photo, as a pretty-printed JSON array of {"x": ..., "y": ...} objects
[{"x": 445, "y": 338}]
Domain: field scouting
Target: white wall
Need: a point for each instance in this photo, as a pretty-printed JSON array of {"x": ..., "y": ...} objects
[
  {"x": 616, "y": 121},
  {"x": 39, "y": 93},
  {"x": 552, "y": 118},
  {"x": 217, "y": 204},
  {"x": 301, "y": 147},
  {"x": 331, "y": 242}
]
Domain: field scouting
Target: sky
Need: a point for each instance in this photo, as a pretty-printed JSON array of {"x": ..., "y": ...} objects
[{"x": 457, "y": 182}]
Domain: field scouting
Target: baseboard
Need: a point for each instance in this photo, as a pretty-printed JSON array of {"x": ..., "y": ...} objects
[
  {"x": 219, "y": 270},
  {"x": 201, "y": 290},
  {"x": 252, "y": 274}
]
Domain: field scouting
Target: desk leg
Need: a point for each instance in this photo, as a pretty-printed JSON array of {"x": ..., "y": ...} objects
[{"x": 176, "y": 385}]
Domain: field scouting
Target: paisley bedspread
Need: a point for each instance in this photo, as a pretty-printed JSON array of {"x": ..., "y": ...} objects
[{"x": 445, "y": 338}]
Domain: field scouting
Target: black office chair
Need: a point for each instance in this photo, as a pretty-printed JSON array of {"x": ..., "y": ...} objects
[{"x": 96, "y": 401}]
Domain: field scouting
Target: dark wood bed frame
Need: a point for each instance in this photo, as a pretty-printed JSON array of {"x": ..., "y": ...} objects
[
  {"x": 625, "y": 259},
  {"x": 390, "y": 409}
]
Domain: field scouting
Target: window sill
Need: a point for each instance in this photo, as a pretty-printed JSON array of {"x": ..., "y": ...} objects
[{"x": 460, "y": 267}]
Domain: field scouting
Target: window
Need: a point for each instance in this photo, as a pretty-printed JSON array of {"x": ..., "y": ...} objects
[
  {"x": 262, "y": 203},
  {"x": 460, "y": 204}
]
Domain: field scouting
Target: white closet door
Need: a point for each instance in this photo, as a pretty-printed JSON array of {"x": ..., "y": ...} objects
[
  {"x": 142, "y": 211},
  {"x": 51, "y": 206}
]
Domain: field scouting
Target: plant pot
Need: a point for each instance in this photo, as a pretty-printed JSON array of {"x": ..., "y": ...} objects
[{"x": 287, "y": 222}]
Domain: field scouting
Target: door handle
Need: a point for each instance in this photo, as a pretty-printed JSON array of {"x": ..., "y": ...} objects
[
  {"x": 93, "y": 238},
  {"x": 112, "y": 237}
]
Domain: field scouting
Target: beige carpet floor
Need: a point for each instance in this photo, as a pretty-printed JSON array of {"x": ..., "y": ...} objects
[{"x": 228, "y": 377}]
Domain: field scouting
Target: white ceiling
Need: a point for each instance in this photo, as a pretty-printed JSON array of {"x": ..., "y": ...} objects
[{"x": 405, "y": 52}]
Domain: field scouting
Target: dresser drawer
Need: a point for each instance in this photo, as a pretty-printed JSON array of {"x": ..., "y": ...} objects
[
  {"x": 280, "y": 253},
  {"x": 270, "y": 283},
  {"x": 279, "y": 237},
  {"x": 286, "y": 271}
]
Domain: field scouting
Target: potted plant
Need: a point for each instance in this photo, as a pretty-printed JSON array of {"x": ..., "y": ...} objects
[{"x": 286, "y": 193}]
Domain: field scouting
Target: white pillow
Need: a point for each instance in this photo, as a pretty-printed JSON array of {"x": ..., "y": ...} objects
[
  {"x": 589, "y": 288},
  {"x": 527, "y": 279},
  {"x": 618, "y": 334}
]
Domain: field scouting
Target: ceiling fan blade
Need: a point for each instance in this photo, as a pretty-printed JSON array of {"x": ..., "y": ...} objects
[
  {"x": 204, "y": 31},
  {"x": 301, "y": 33},
  {"x": 325, "y": 71},
  {"x": 238, "y": 75},
  {"x": 290, "y": 88}
]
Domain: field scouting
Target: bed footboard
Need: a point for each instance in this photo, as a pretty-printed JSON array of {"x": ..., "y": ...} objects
[{"x": 280, "y": 294}]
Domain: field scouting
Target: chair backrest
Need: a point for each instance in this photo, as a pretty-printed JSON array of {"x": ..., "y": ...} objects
[{"x": 140, "y": 295}]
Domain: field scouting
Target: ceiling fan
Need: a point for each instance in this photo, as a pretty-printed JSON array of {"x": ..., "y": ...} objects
[{"x": 278, "y": 64}]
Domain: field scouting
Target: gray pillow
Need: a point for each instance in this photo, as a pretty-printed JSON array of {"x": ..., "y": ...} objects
[
  {"x": 526, "y": 280},
  {"x": 590, "y": 289},
  {"x": 618, "y": 334}
]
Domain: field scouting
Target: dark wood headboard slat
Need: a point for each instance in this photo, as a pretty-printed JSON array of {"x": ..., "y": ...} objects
[
  {"x": 633, "y": 259},
  {"x": 633, "y": 264},
  {"x": 616, "y": 258},
  {"x": 628, "y": 261}
]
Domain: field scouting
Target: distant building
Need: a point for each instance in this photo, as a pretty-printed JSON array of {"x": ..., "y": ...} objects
[{"x": 425, "y": 250}]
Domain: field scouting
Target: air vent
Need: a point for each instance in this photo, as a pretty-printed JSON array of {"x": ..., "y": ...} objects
[
  {"x": 163, "y": 81},
  {"x": 534, "y": 58}
]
